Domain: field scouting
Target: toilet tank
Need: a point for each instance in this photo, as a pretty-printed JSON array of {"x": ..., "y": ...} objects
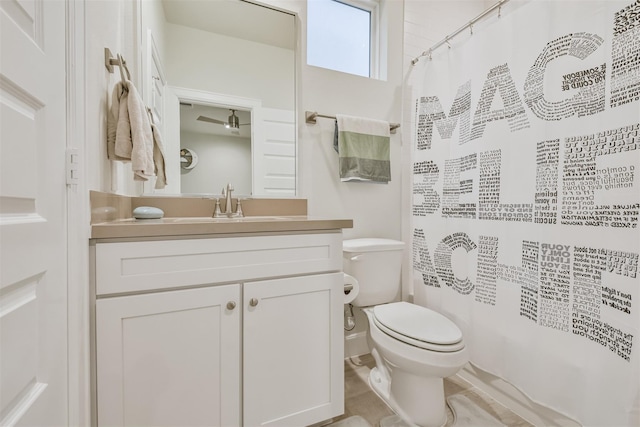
[{"x": 376, "y": 264}]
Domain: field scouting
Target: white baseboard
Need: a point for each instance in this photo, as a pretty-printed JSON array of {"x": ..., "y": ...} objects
[
  {"x": 356, "y": 344},
  {"x": 513, "y": 399}
]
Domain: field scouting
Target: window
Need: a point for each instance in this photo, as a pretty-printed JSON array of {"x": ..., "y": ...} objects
[{"x": 342, "y": 35}]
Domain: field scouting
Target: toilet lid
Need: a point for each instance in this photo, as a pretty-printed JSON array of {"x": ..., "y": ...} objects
[{"x": 418, "y": 326}]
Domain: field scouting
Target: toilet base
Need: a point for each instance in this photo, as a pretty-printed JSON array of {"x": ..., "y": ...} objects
[
  {"x": 422, "y": 398},
  {"x": 379, "y": 383}
]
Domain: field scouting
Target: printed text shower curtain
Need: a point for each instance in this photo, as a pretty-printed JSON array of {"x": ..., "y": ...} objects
[{"x": 526, "y": 200}]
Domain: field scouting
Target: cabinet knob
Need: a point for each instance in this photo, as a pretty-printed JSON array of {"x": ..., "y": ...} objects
[
  {"x": 253, "y": 302},
  {"x": 231, "y": 305}
]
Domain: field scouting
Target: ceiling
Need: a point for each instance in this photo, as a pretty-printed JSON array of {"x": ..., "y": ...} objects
[
  {"x": 189, "y": 120},
  {"x": 234, "y": 18}
]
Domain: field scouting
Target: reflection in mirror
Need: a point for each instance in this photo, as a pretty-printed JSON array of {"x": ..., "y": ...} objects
[
  {"x": 223, "y": 148},
  {"x": 205, "y": 58}
]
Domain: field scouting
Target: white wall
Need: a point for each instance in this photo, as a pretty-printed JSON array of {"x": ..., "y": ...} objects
[
  {"x": 374, "y": 208},
  {"x": 109, "y": 24},
  {"x": 221, "y": 159},
  {"x": 228, "y": 65}
]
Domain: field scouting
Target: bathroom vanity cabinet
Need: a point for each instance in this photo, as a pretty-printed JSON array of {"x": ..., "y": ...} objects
[{"x": 218, "y": 330}]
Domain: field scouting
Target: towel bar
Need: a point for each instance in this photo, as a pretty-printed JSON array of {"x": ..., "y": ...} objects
[{"x": 311, "y": 116}]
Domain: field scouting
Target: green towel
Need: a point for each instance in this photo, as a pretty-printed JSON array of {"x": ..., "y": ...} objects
[{"x": 363, "y": 149}]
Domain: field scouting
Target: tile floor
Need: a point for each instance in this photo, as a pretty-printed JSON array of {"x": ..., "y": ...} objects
[{"x": 361, "y": 400}]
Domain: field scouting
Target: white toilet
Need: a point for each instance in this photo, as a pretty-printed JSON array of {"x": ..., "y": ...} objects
[{"x": 414, "y": 347}]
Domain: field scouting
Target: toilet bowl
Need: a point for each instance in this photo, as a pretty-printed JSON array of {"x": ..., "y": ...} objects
[
  {"x": 409, "y": 371},
  {"x": 414, "y": 347}
]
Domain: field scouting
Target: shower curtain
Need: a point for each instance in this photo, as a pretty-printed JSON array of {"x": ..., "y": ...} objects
[{"x": 526, "y": 200}]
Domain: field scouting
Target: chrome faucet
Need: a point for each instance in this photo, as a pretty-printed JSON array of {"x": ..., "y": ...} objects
[
  {"x": 228, "y": 212},
  {"x": 227, "y": 194}
]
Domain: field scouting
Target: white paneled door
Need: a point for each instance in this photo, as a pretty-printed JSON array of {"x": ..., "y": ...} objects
[
  {"x": 33, "y": 248},
  {"x": 274, "y": 154}
]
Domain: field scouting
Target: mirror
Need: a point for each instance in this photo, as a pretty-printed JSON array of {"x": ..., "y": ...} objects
[
  {"x": 222, "y": 61},
  {"x": 223, "y": 149}
]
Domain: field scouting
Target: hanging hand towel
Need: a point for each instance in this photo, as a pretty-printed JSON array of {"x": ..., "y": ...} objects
[
  {"x": 129, "y": 134},
  {"x": 363, "y": 149},
  {"x": 118, "y": 126},
  {"x": 158, "y": 158}
]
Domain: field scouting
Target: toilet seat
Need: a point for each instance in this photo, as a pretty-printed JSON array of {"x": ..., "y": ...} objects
[{"x": 418, "y": 326}]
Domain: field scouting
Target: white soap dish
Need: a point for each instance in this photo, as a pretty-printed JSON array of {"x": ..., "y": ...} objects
[{"x": 147, "y": 212}]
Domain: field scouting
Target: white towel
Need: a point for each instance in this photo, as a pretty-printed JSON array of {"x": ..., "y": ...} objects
[
  {"x": 129, "y": 133},
  {"x": 118, "y": 127}
]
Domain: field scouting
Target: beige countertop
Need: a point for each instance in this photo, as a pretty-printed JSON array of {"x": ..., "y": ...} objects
[{"x": 190, "y": 226}]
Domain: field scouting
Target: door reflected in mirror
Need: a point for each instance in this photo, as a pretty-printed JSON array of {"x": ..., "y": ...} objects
[{"x": 205, "y": 59}]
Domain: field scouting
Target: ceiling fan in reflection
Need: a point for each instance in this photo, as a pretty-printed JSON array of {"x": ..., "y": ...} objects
[{"x": 233, "y": 121}]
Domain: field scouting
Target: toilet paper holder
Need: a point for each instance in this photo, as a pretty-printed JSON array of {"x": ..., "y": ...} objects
[{"x": 351, "y": 288}]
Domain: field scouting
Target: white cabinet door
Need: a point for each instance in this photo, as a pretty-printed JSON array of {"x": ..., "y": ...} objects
[
  {"x": 293, "y": 350},
  {"x": 169, "y": 358}
]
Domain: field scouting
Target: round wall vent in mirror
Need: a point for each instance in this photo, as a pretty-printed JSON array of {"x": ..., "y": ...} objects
[{"x": 188, "y": 159}]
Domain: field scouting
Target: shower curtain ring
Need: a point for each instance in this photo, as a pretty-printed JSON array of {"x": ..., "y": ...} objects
[
  {"x": 430, "y": 55},
  {"x": 447, "y": 41},
  {"x": 500, "y": 11},
  {"x": 471, "y": 28}
]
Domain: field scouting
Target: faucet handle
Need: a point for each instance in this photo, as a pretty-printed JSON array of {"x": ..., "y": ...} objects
[
  {"x": 239, "y": 208},
  {"x": 217, "y": 212}
]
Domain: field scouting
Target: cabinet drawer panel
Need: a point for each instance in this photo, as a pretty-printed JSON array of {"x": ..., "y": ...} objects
[{"x": 140, "y": 266}]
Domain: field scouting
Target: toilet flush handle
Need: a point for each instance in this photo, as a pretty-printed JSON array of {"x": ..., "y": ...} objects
[{"x": 355, "y": 258}]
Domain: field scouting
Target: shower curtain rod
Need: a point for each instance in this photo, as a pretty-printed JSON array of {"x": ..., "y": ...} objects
[{"x": 414, "y": 61}]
